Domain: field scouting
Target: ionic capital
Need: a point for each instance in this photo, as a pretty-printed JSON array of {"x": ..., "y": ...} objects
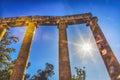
[
  {"x": 31, "y": 23},
  {"x": 62, "y": 25},
  {"x": 92, "y": 21}
]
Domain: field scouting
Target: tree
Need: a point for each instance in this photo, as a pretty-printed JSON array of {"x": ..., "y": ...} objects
[
  {"x": 5, "y": 73},
  {"x": 6, "y": 63},
  {"x": 81, "y": 74},
  {"x": 27, "y": 76},
  {"x": 42, "y": 74}
]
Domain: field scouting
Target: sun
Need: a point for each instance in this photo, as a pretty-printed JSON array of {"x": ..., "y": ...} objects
[{"x": 86, "y": 47}]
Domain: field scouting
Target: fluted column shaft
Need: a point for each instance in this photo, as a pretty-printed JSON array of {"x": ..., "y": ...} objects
[
  {"x": 107, "y": 54},
  {"x": 22, "y": 60},
  {"x": 64, "y": 62}
]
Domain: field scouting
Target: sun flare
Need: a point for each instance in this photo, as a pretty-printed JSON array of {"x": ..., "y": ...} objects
[{"x": 86, "y": 47}]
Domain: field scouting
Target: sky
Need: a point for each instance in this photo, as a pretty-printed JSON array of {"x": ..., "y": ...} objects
[{"x": 45, "y": 44}]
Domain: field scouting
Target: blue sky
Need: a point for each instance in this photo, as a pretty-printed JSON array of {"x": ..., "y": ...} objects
[{"x": 45, "y": 44}]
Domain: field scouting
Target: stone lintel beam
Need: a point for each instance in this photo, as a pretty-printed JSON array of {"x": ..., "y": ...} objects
[
  {"x": 45, "y": 20},
  {"x": 22, "y": 60},
  {"x": 64, "y": 61}
]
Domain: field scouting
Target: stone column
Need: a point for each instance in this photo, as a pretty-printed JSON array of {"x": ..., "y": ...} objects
[
  {"x": 2, "y": 31},
  {"x": 22, "y": 60},
  {"x": 107, "y": 54},
  {"x": 64, "y": 62}
]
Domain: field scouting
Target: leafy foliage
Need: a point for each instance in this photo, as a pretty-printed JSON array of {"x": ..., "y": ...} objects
[
  {"x": 5, "y": 50},
  {"x": 5, "y": 73},
  {"x": 81, "y": 74},
  {"x": 42, "y": 74},
  {"x": 6, "y": 63}
]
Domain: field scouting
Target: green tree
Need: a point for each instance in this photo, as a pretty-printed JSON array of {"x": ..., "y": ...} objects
[
  {"x": 27, "y": 76},
  {"x": 80, "y": 74},
  {"x": 6, "y": 63},
  {"x": 42, "y": 74},
  {"x": 5, "y": 73}
]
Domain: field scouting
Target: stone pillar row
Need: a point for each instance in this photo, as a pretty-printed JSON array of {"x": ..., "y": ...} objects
[
  {"x": 109, "y": 59},
  {"x": 23, "y": 57},
  {"x": 22, "y": 60}
]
